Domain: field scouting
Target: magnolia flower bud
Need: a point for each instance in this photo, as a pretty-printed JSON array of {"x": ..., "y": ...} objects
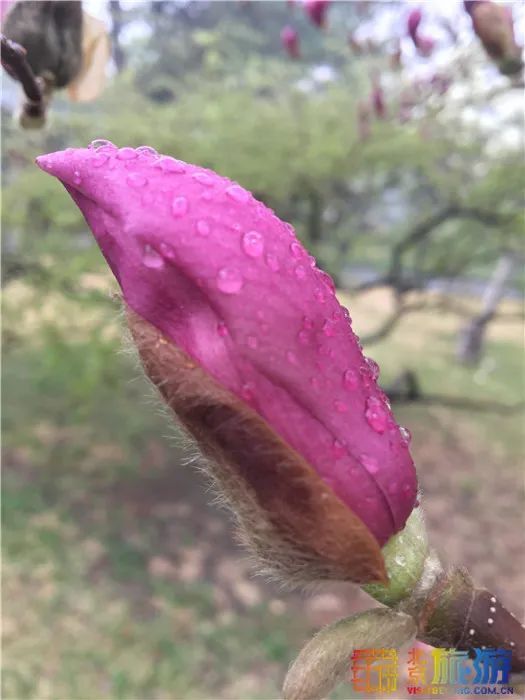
[
  {"x": 316, "y": 11},
  {"x": 280, "y": 397},
  {"x": 494, "y": 26},
  {"x": 290, "y": 41}
]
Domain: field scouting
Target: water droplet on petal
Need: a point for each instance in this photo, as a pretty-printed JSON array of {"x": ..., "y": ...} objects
[
  {"x": 99, "y": 159},
  {"x": 300, "y": 272},
  {"x": 179, "y": 207},
  {"x": 350, "y": 379},
  {"x": 346, "y": 314},
  {"x": 376, "y": 414},
  {"x": 340, "y": 406},
  {"x": 76, "y": 178},
  {"x": 170, "y": 165},
  {"x": 307, "y": 323},
  {"x": 252, "y": 342},
  {"x": 238, "y": 193},
  {"x": 329, "y": 328},
  {"x": 100, "y": 143},
  {"x": 167, "y": 251},
  {"x": 296, "y": 249},
  {"x": 406, "y": 437},
  {"x": 248, "y": 391},
  {"x": 272, "y": 262},
  {"x": 339, "y": 448},
  {"x": 147, "y": 151},
  {"x": 126, "y": 153},
  {"x": 203, "y": 228},
  {"x": 365, "y": 376},
  {"x": 151, "y": 258},
  {"x": 291, "y": 357},
  {"x": 203, "y": 178},
  {"x": 222, "y": 329},
  {"x": 369, "y": 463},
  {"x": 229, "y": 280},
  {"x": 303, "y": 337},
  {"x": 320, "y": 295},
  {"x": 328, "y": 281},
  {"x": 311, "y": 261},
  {"x": 373, "y": 367},
  {"x": 136, "y": 180},
  {"x": 253, "y": 244}
]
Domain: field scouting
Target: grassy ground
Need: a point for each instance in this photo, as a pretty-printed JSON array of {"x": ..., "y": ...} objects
[{"x": 119, "y": 581}]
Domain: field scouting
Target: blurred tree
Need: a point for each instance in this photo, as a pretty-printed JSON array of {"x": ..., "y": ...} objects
[{"x": 433, "y": 190}]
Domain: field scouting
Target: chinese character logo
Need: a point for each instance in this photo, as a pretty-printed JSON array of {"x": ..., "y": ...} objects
[{"x": 374, "y": 670}]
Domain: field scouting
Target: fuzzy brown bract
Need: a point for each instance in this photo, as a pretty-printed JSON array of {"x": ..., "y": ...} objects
[{"x": 297, "y": 528}]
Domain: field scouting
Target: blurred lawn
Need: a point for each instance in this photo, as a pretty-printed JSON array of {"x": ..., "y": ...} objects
[{"x": 92, "y": 608}]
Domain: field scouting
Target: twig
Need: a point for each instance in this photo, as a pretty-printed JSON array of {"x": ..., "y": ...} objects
[{"x": 15, "y": 62}]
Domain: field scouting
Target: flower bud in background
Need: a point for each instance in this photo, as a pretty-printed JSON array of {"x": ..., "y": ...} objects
[
  {"x": 248, "y": 344},
  {"x": 413, "y": 22},
  {"x": 493, "y": 24},
  {"x": 317, "y": 11},
  {"x": 290, "y": 41}
]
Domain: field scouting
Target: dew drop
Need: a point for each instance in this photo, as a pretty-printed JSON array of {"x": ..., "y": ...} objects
[
  {"x": 307, "y": 323},
  {"x": 203, "y": 178},
  {"x": 167, "y": 251},
  {"x": 76, "y": 178},
  {"x": 376, "y": 415},
  {"x": 406, "y": 437},
  {"x": 492, "y": 610},
  {"x": 272, "y": 262},
  {"x": 136, "y": 180},
  {"x": 300, "y": 272},
  {"x": 350, "y": 379},
  {"x": 252, "y": 342},
  {"x": 147, "y": 151},
  {"x": 373, "y": 367},
  {"x": 319, "y": 295},
  {"x": 179, "y": 207},
  {"x": 101, "y": 143},
  {"x": 369, "y": 463},
  {"x": 253, "y": 244},
  {"x": 99, "y": 159},
  {"x": 365, "y": 376},
  {"x": 303, "y": 337},
  {"x": 311, "y": 261},
  {"x": 346, "y": 314},
  {"x": 328, "y": 281},
  {"x": 296, "y": 249},
  {"x": 329, "y": 328},
  {"x": 222, "y": 329},
  {"x": 151, "y": 258},
  {"x": 339, "y": 448},
  {"x": 126, "y": 153},
  {"x": 490, "y": 621},
  {"x": 202, "y": 227},
  {"x": 170, "y": 165},
  {"x": 229, "y": 280},
  {"x": 291, "y": 357},
  {"x": 340, "y": 406},
  {"x": 238, "y": 193},
  {"x": 248, "y": 391}
]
